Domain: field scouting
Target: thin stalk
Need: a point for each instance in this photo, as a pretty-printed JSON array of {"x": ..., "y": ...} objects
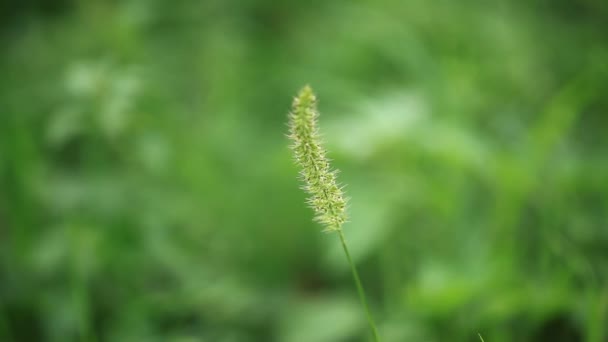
[
  {"x": 326, "y": 195},
  {"x": 360, "y": 290}
]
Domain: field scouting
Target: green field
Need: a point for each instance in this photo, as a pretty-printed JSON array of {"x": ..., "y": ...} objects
[{"x": 147, "y": 191}]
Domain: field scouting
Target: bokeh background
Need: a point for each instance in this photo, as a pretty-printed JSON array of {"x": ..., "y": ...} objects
[{"x": 147, "y": 192}]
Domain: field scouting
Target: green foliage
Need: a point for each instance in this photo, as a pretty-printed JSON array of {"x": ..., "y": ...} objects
[{"x": 146, "y": 193}]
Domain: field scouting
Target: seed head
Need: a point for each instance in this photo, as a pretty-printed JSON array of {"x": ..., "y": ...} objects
[{"x": 326, "y": 196}]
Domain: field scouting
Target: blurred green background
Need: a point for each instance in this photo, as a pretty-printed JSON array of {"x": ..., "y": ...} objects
[{"x": 147, "y": 192}]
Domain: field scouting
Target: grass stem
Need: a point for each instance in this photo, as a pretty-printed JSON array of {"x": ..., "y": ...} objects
[{"x": 360, "y": 289}]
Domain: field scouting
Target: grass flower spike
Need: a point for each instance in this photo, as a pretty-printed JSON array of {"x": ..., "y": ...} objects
[{"x": 326, "y": 196}]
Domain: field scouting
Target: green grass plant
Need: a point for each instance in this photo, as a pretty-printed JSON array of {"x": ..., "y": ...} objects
[{"x": 320, "y": 181}]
